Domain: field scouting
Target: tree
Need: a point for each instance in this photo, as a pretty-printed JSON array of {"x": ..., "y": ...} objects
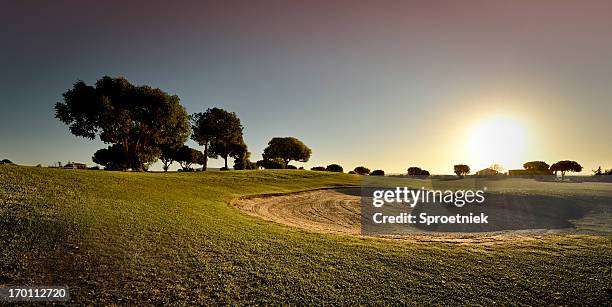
[
  {"x": 565, "y": 166},
  {"x": 598, "y": 171},
  {"x": 377, "y": 172},
  {"x": 186, "y": 156},
  {"x": 167, "y": 156},
  {"x": 334, "y": 168},
  {"x": 497, "y": 167},
  {"x": 218, "y": 131},
  {"x": 317, "y": 168},
  {"x": 228, "y": 142},
  {"x": 287, "y": 149},
  {"x": 6, "y": 161},
  {"x": 244, "y": 161},
  {"x": 461, "y": 170},
  {"x": 417, "y": 171},
  {"x": 112, "y": 158},
  {"x": 361, "y": 170},
  {"x": 536, "y": 166},
  {"x": 139, "y": 118},
  {"x": 276, "y": 163}
]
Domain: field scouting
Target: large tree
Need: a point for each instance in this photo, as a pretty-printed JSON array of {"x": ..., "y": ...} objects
[
  {"x": 219, "y": 131},
  {"x": 138, "y": 118},
  {"x": 287, "y": 149},
  {"x": 565, "y": 166},
  {"x": 461, "y": 170}
]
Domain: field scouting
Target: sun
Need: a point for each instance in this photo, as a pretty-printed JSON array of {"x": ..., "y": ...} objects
[{"x": 499, "y": 139}]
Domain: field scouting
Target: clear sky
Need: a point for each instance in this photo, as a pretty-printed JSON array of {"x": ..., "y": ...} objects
[{"x": 385, "y": 84}]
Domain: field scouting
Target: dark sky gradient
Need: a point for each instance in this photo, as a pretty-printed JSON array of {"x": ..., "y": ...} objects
[{"x": 383, "y": 83}]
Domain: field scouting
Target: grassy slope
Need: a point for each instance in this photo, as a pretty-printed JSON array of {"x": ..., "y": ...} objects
[{"x": 157, "y": 238}]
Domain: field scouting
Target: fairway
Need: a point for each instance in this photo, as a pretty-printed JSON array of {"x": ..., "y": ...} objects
[{"x": 152, "y": 238}]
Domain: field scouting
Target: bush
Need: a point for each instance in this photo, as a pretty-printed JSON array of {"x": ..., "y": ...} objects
[
  {"x": 291, "y": 167},
  {"x": 352, "y": 173},
  {"x": 275, "y": 163},
  {"x": 377, "y": 172},
  {"x": 361, "y": 170},
  {"x": 6, "y": 161},
  {"x": 318, "y": 168},
  {"x": 224, "y": 169},
  {"x": 334, "y": 168}
]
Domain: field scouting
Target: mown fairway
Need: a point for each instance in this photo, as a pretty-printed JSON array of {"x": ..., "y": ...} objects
[{"x": 174, "y": 238}]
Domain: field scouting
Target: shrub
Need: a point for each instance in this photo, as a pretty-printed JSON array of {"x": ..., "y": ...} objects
[
  {"x": 377, "y": 172},
  {"x": 291, "y": 167},
  {"x": 352, "y": 173},
  {"x": 334, "y": 168},
  {"x": 317, "y": 168},
  {"x": 6, "y": 161}
]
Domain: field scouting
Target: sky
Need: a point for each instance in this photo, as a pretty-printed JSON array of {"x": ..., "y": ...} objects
[{"x": 385, "y": 84}]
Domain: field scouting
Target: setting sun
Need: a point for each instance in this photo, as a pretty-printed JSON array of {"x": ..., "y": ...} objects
[{"x": 499, "y": 139}]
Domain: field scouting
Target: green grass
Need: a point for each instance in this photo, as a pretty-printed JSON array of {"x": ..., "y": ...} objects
[{"x": 173, "y": 238}]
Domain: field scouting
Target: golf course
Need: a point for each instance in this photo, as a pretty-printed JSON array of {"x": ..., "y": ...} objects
[{"x": 179, "y": 238}]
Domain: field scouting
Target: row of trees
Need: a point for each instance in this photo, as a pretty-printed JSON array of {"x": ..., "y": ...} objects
[
  {"x": 531, "y": 168},
  {"x": 143, "y": 124}
]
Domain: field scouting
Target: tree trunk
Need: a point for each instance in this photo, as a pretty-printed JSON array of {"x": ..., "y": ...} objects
[
  {"x": 562, "y": 175},
  {"x": 225, "y": 158},
  {"x": 205, "y": 157}
]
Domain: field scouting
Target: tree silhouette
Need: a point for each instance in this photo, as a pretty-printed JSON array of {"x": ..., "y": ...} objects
[
  {"x": 461, "y": 170},
  {"x": 377, "y": 172},
  {"x": 334, "y": 168},
  {"x": 565, "y": 166},
  {"x": 186, "y": 156},
  {"x": 417, "y": 171},
  {"x": 219, "y": 131},
  {"x": 287, "y": 149},
  {"x": 113, "y": 158},
  {"x": 317, "y": 168},
  {"x": 361, "y": 170},
  {"x": 598, "y": 171},
  {"x": 243, "y": 161},
  {"x": 138, "y": 118},
  {"x": 536, "y": 166},
  {"x": 276, "y": 163}
]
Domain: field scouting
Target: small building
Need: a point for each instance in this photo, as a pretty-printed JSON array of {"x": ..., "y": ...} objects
[{"x": 487, "y": 172}]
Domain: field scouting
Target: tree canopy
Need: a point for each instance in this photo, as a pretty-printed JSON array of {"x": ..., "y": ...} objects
[
  {"x": 461, "y": 170},
  {"x": 220, "y": 132},
  {"x": 334, "y": 168},
  {"x": 288, "y": 149},
  {"x": 361, "y": 170},
  {"x": 417, "y": 171},
  {"x": 138, "y": 118},
  {"x": 565, "y": 166},
  {"x": 377, "y": 172},
  {"x": 537, "y": 166},
  {"x": 186, "y": 156}
]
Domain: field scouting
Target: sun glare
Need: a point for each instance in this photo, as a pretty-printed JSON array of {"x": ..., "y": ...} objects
[{"x": 497, "y": 140}]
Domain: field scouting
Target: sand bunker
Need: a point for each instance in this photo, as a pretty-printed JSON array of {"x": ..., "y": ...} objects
[
  {"x": 321, "y": 210},
  {"x": 338, "y": 211}
]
